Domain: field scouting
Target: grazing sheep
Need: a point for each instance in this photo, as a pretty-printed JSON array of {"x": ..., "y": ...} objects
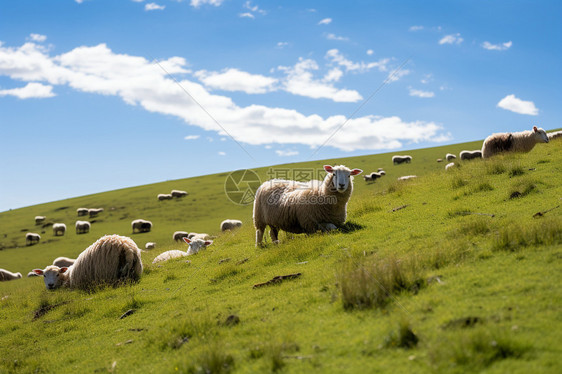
[
  {"x": 523, "y": 141},
  {"x": 112, "y": 259},
  {"x": 178, "y": 193},
  {"x": 32, "y": 238},
  {"x": 396, "y": 160},
  {"x": 94, "y": 212},
  {"x": 299, "y": 207},
  {"x": 141, "y": 225},
  {"x": 469, "y": 155},
  {"x": 6, "y": 275},
  {"x": 449, "y": 166},
  {"x": 150, "y": 245},
  {"x": 382, "y": 172},
  {"x": 59, "y": 228},
  {"x": 82, "y": 227},
  {"x": 82, "y": 212},
  {"x": 62, "y": 262},
  {"x": 450, "y": 156},
  {"x": 202, "y": 236},
  {"x": 195, "y": 246},
  {"x": 407, "y": 177},
  {"x": 554, "y": 135},
  {"x": 179, "y": 235},
  {"x": 230, "y": 224},
  {"x": 372, "y": 177},
  {"x": 164, "y": 196},
  {"x": 439, "y": 160},
  {"x": 39, "y": 219},
  {"x": 32, "y": 274}
]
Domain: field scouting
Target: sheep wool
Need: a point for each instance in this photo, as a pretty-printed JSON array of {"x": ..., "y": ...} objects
[
  {"x": 523, "y": 141},
  {"x": 230, "y": 224},
  {"x": 6, "y": 275}
]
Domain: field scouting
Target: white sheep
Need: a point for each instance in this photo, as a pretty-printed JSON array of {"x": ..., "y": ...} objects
[
  {"x": 82, "y": 212},
  {"x": 32, "y": 274},
  {"x": 523, "y": 141},
  {"x": 407, "y": 177},
  {"x": 554, "y": 135},
  {"x": 178, "y": 193},
  {"x": 6, "y": 275},
  {"x": 469, "y": 155},
  {"x": 230, "y": 224},
  {"x": 141, "y": 225},
  {"x": 195, "y": 246},
  {"x": 439, "y": 160},
  {"x": 373, "y": 176},
  {"x": 62, "y": 262},
  {"x": 112, "y": 259},
  {"x": 299, "y": 207},
  {"x": 39, "y": 219},
  {"x": 94, "y": 212},
  {"x": 164, "y": 196},
  {"x": 150, "y": 245},
  {"x": 396, "y": 160},
  {"x": 382, "y": 172},
  {"x": 179, "y": 235},
  {"x": 450, "y": 156},
  {"x": 202, "y": 236},
  {"x": 449, "y": 165},
  {"x": 82, "y": 227},
  {"x": 59, "y": 228},
  {"x": 32, "y": 238}
]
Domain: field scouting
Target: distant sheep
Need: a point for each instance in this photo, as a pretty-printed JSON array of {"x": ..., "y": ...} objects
[
  {"x": 450, "y": 156},
  {"x": 164, "y": 196},
  {"x": 523, "y": 141},
  {"x": 82, "y": 227},
  {"x": 179, "y": 235},
  {"x": 380, "y": 169},
  {"x": 382, "y": 172},
  {"x": 407, "y": 177},
  {"x": 449, "y": 166},
  {"x": 32, "y": 238},
  {"x": 32, "y": 274},
  {"x": 141, "y": 225},
  {"x": 299, "y": 207},
  {"x": 39, "y": 219},
  {"x": 202, "y": 236},
  {"x": 195, "y": 246},
  {"x": 82, "y": 212},
  {"x": 554, "y": 135},
  {"x": 439, "y": 160},
  {"x": 396, "y": 160},
  {"x": 94, "y": 212},
  {"x": 149, "y": 246},
  {"x": 372, "y": 177},
  {"x": 59, "y": 228},
  {"x": 469, "y": 155},
  {"x": 178, "y": 193},
  {"x": 62, "y": 262},
  {"x": 112, "y": 259},
  {"x": 230, "y": 224},
  {"x": 6, "y": 275}
]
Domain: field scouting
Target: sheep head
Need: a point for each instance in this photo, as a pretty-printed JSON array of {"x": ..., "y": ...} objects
[
  {"x": 540, "y": 135},
  {"x": 341, "y": 176},
  {"x": 195, "y": 245},
  {"x": 53, "y": 276}
]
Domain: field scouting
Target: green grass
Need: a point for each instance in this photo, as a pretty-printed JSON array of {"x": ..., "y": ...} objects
[{"x": 462, "y": 278}]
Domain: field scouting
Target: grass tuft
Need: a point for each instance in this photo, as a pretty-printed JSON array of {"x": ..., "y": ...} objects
[
  {"x": 213, "y": 359},
  {"x": 402, "y": 337},
  {"x": 513, "y": 237}
]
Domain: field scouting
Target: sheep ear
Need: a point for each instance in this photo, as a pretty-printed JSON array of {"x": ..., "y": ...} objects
[
  {"x": 186, "y": 240},
  {"x": 208, "y": 242},
  {"x": 356, "y": 171},
  {"x": 38, "y": 271},
  {"x": 535, "y": 129},
  {"x": 63, "y": 270},
  {"x": 328, "y": 168}
]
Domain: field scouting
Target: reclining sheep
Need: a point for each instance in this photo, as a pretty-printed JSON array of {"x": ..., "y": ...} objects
[
  {"x": 470, "y": 155},
  {"x": 149, "y": 245},
  {"x": 449, "y": 165},
  {"x": 523, "y": 141},
  {"x": 63, "y": 262},
  {"x": 179, "y": 235},
  {"x": 178, "y": 193},
  {"x": 141, "y": 225},
  {"x": 164, "y": 196},
  {"x": 230, "y": 224},
  {"x": 554, "y": 135},
  {"x": 195, "y": 246},
  {"x": 202, "y": 236},
  {"x": 397, "y": 160},
  {"x": 6, "y": 275},
  {"x": 82, "y": 227},
  {"x": 450, "y": 156},
  {"x": 299, "y": 207},
  {"x": 59, "y": 228},
  {"x": 111, "y": 260},
  {"x": 32, "y": 238}
]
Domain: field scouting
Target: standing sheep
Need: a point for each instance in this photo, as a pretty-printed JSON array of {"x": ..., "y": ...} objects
[
  {"x": 141, "y": 225},
  {"x": 469, "y": 155},
  {"x": 397, "y": 160},
  {"x": 39, "y": 219},
  {"x": 523, "y": 141},
  {"x": 150, "y": 245},
  {"x": 82, "y": 212},
  {"x": 94, "y": 212},
  {"x": 62, "y": 262},
  {"x": 6, "y": 275},
  {"x": 164, "y": 196},
  {"x": 303, "y": 207},
  {"x": 450, "y": 156},
  {"x": 179, "y": 235},
  {"x": 112, "y": 259},
  {"x": 32, "y": 238},
  {"x": 82, "y": 227},
  {"x": 554, "y": 135},
  {"x": 230, "y": 224},
  {"x": 59, "y": 228},
  {"x": 195, "y": 246},
  {"x": 178, "y": 193}
]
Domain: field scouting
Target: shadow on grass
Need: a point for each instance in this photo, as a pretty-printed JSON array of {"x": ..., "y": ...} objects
[{"x": 350, "y": 227}]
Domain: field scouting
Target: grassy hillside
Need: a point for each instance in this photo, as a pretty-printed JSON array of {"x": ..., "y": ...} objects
[{"x": 450, "y": 272}]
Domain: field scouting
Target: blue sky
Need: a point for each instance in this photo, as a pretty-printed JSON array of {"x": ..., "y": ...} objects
[{"x": 97, "y": 95}]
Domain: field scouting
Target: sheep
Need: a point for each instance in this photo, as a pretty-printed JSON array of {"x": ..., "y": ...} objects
[
  {"x": 382, "y": 172},
  {"x": 230, "y": 224},
  {"x": 82, "y": 212},
  {"x": 523, "y": 141},
  {"x": 94, "y": 212},
  {"x": 554, "y": 135},
  {"x": 164, "y": 196},
  {"x": 6, "y": 275},
  {"x": 407, "y": 177},
  {"x": 372, "y": 177},
  {"x": 202, "y": 236},
  {"x": 149, "y": 246},
  {"x": 449, "y": 165},
  {"x": 39, "y": 219},
  {"x": 32, "y": 274},
  {"x": 179, "y": 235},
  {"x": 195, "y": 246},
  {"x": 62, "y": 262},
  {"x": 141, "y": 225},
  {"x": 439, "y": 160},
  {"x": 469, "y": 155},
  {"x": 112, "y": 259},
  {"x": 32, "y": 238},
  {"x": 380, "y": 169},
  {"x": 396, "y": 160},
  {"x": 450, "y": 156},
  {"x": 59, "y": 228},
  {"x": 82, "y": 227},
  {"x": 299, "y": 207},
  {"x": 178, "y": 193}
]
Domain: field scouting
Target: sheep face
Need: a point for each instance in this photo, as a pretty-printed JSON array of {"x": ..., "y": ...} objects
[
  {"x": 53, "y": 276},
  {"x": 341, "y": 176},
  {"x": 196, "y": 245},
  {"x": 540, "y": 135}
]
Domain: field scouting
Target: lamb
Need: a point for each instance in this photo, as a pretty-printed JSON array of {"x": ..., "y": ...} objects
[
  {"x": 179, "y": 235},
  {"x": 141, "y": 225},
  {"x": 554, "y": 135},
  {"x": 62, "y": 262},
  {"x": 39, "y": 219},
  {"x": 523, "y": 141},
  {"x": 149, "y": 246},
  {"x": 195, "y": 246},
  {"x": 164, "y": 196},
  {"x": 32, "y": 238},
  {"x": 59, "y": 228},
  {"x": 469, "y": 155},
  {"x": 230, "y": 224},
  {"x": 202, "y": 236},
  {"x": 449, "y": 165},
  {"x": 396, "y": 160},
  {"x": 94, "y": 212},
  {"x": 112, "y": 259},
  {"x": 82, "y": 212},
  {"x": 407, "y": 177},
  {"x": 178, "y": 193},
  {"x": 6, "y": 275},
  {"x": 82, "y": 227},
  {"x": 299, "y": 207},
  {"x": 450, "y": 156}
]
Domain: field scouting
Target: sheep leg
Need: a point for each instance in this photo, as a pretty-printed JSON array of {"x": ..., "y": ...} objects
[
  {"x": 259, "y": 237},
  {"x": 273, "y": 231},
  {"x": 325, "y": 227}
]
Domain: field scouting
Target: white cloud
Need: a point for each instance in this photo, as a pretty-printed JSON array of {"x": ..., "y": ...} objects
[
  {"x": 336, "y": 37},
  {"x": 222, "y": 153},
  {"x": 79, "y": 1},
  {"x": 497, "y": 47},
  {"x": 30, "y": 91},
  {"x": 416, "y": 28},
  {"x": 191, "y": 137},
  {"x": 370, "y": 52},
  {"x": 137, "y": 1},
  {"x": 236, "y": 80},
  {"x": 153, "y": 6},
  {"x": 282, "y": 44},
  {"x": 247, "y": 15},
  {"x": 451, "y": 39},
  {"x": 333, "y": 75},
  {"x": 427, "y": 78},
  {"x": 198, "y": 3},
  {"x": 395, "y": 75},
  {"x": 514, "y": 104},
  {"x": 325, "y": 21},
  {"x": 286, "y": 153},
  {"x": 336, "y": 57},
  {"x": 37, "y": 37},
  {"x": 254, "y": 9},
  {"x": 420, "y": 93},
  {"x": 140, "y": 82}
]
